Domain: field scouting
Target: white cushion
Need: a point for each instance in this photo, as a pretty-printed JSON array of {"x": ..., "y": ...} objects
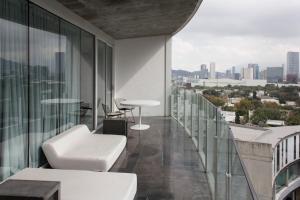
[
  {"x": 85, "y": 185},
  {"x": 77, "y": 148}
]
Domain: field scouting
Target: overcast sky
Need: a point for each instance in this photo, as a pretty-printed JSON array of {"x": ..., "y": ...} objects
[{"x": 238, "y": 32}]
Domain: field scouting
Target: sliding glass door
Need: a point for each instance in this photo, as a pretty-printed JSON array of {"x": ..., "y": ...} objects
[
  {"x": 109, "y": 85},
  {"x": 43, "y": 80},
  {"x": 69, "y": 57},
  {"x": 47, "y": 81},
  {"x": 87, "y": 83},
  {"x": 104, "y": 80},
  {"x": 13, "y": 86},
  {"x": 100, "y": 81}
]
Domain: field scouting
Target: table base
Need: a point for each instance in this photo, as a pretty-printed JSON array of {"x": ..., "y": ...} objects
[{"x": 140, "y": 127}]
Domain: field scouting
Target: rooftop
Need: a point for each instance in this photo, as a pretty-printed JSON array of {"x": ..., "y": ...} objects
[{"x": 269, "y": 135}]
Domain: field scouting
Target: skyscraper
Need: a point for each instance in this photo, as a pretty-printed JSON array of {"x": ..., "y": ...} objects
[
  {"x": 212, "y": 70},
  {"x": 247, "y": 73},
  {"x": 255, "y": 69},
  {"x": 292, "y": 66},
  {"x": 233, "y": 70},
  {"x": 275, "y": 74}
]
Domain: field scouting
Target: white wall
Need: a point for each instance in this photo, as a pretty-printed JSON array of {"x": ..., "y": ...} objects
[
  {"x": 141, "y": 71},
  {"x": 257, "y": 158}
]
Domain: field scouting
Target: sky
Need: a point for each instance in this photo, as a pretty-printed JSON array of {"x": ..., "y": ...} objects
[{"x": 238, "y": 32}]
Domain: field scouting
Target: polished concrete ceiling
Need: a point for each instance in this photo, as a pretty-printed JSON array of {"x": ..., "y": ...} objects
[{"x": 135, "y": 18}]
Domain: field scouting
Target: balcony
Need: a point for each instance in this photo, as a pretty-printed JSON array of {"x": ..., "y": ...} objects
[{"x": 166, "y": 162}]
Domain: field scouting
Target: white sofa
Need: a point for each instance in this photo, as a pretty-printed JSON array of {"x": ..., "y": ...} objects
[
  {"x": 79, "y": 149},
  {"x": 85, "y": 185}
]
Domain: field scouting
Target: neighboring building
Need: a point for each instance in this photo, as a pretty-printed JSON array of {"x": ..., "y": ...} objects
[
  {"x": 228, "y": 74},
  {"x": 292, "y": 67},
  {"x": 275, "y": 123},
  {"x": 275, "y": 74},
  {"x": 226, "y": 82},
  {"x": 290, "y": 103},
  {"x": 255, "y": 69},
  {"x": 228, "y": 116},
  {"x": 260, "y": 93},
  {"x": 248, "y": 73},
  {"x": 212, "y": 73},
  {"x": 234, "y": 100},
  {"x": 275, "y": 151},
  {"x": 263, "y": 75},
  {"x": 267, "y": 99},
  {"x": 237, "y": 76},
  {"x": 203, "y": 67},
  {"x": 233, "y": 70},
  {"x": 203, "y": 72}
]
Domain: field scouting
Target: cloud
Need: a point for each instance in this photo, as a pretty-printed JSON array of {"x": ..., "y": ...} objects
[{"x": 235, "y": 33}]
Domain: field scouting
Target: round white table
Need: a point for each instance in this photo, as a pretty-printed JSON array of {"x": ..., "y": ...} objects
[{"x": 140, "y": 104}]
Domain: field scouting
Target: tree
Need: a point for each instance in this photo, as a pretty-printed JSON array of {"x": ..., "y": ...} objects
[
  {"x": 261, "y": 115},
  {"x": 293, "y": 118},
  {"x": 217, "y": 101},
  {"x": 245, "y": 104},
  {"x": 254, "y": 95}
]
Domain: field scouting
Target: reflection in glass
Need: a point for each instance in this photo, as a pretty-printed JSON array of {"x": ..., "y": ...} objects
[
  {"x": 86, "y": 112},
  {"x": 109, "y": 85},
  {"x": 14, "y": 86},
  {"x": 44, "y": 80},
  {"x": 100, "y": 81},
  {"x": 69, "y": 56}
]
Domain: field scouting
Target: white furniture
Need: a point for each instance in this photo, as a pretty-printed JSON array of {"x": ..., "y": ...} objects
[
  {"x": 140, "y": 104},
  {"x": 77, "y": 148},
  {"x": 81, "y": 185}
]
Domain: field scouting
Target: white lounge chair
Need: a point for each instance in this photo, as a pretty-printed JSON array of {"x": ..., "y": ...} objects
[
  {"x": 85, "y": 185},
  {"x": 79, "y": 149}
]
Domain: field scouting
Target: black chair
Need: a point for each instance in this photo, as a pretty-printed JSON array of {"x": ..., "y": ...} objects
[
  {"x": 109, "y": 114},
  {"x": 124, "y": 109}
]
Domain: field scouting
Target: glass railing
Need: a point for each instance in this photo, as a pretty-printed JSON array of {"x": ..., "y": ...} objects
[{"x": 213, "y": 139}]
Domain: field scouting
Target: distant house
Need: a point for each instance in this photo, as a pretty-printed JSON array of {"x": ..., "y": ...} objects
[
  {"x": 275, "y": 123},
  {"x": 290, "y": 103},
  {"x": 260, "y": 93},
  {"x": 267, "y": 99},
  {"x": 234, "y": 100},
  {"x": 228, "y": 116}
]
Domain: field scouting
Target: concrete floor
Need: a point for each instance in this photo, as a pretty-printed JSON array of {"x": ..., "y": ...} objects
[{"x": 166, "y": 162}]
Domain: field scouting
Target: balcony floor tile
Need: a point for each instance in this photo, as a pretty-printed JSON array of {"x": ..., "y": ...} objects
[{"x": 166, "y": 162}]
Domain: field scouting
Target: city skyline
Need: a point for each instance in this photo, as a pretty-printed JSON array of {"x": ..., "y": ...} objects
[{"x": 215, "y": 34}]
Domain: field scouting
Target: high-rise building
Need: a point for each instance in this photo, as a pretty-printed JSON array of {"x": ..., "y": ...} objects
[
  {"x": 203, "y": 67},
  {"x": 212, "y": 70},
  {"x": 292, "y": 66},
  {"x": 203, "y": 72},
  {"x": 263, "y": 75},
  {"x": 255, "y": 69},
  {"x": 275, "y": 74},
  {"x": 233, "y": 70},
  {"x": 247, "y": 73},
  {"x": 228, "y": 73}
]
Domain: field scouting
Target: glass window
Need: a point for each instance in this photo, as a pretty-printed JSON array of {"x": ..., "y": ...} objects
[
  {"x": 14, "y": 86},
  {"x": 109, "y": 85},
  {"x": 69, "y": 57},
  {"x": 100, "y": 82},
  {"x": 87, "y": 88},
  {"x": 44, "y": 80}
]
